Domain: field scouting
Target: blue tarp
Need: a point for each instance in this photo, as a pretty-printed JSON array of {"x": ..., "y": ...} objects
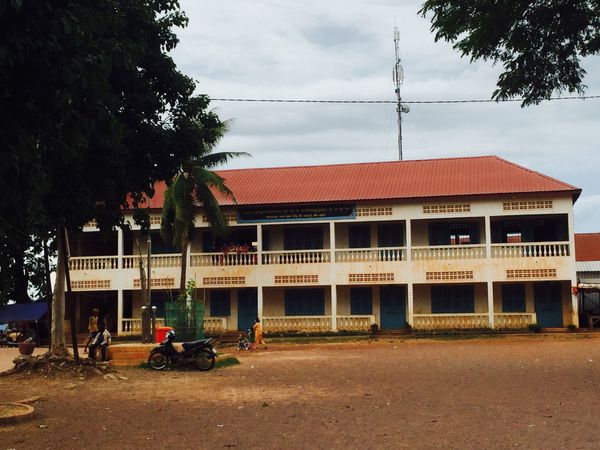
[{"x": 23, "y": 312}]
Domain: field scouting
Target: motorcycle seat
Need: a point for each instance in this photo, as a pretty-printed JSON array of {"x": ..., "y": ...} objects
[{"x": 192, "y": 344}]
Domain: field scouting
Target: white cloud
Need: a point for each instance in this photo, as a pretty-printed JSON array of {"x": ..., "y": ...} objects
[{"x": 344, "y": 50}]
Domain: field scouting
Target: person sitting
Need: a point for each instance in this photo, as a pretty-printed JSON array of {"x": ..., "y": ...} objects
[{"x": 101, "y": 341}]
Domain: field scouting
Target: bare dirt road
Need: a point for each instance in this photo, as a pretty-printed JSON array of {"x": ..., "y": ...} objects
[{"x": 534, "y": 392}]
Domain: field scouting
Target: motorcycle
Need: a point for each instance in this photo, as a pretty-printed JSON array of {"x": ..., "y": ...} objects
[{"x": 202, "y": 353}]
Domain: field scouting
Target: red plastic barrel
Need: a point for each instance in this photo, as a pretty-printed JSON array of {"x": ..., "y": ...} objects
[{"x": 161, "y": 333}]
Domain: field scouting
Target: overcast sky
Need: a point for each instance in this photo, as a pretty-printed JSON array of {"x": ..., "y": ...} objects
[{"x": 344, "y": 50}]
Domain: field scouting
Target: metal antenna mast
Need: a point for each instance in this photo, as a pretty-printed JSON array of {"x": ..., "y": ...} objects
[{"x": 398, "y": 76}]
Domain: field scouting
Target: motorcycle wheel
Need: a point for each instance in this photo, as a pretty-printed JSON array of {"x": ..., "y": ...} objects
[
  {"x": 158, "y": 361},
  {"x": 204, "y": 361}
]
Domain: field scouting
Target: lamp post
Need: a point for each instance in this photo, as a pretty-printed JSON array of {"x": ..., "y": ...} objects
[{"x": 153, "y": 325}]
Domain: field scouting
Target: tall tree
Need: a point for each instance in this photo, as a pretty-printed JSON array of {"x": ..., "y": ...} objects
[
  {"x": 539, "y": 43},
  {"x": 191, "y": 192},
  {"x": 92, "y": 107}
]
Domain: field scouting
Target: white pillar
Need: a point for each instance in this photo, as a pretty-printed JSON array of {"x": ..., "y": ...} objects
[
  {"x": 332, "y": 240},
  {"x": 490, "y": 299},
  {"x": 259, "y": 243},
  {"x": 408, "y": 232},
  {"x": 188, "y": 262},
  {"x": 259, "y": 302},
  {"x": 333, "y": 307},
  {"x": 119, "y": 248},
  {"x": 573, "y": 270},
  {"x": 119, "y": 311},
  {"x": 488, "y": 237},
  {"x": 410, "y": 304}
]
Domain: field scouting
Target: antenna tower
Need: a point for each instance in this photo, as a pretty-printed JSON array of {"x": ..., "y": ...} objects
[{"x": 398, "y": 77}]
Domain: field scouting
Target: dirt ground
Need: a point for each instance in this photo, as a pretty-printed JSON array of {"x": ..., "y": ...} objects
[{"x": 534, "y": 392}]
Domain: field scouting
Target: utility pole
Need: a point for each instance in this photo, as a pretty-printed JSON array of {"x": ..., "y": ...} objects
[{"x": 398, "y": 76}]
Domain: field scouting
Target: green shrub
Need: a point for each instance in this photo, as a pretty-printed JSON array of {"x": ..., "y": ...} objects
[{"x": 534, "y": 327}]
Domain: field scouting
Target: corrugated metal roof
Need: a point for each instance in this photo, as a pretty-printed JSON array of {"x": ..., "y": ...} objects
[
  {"x": 588, "y": 266},
  {"x": 587, "y": 246},
  {"x": 451, "y": 177}
]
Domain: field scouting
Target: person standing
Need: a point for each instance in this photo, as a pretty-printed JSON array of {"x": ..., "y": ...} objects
[
  {"x": 258, "y": 334},
  {"x": 92, "y": 328}
]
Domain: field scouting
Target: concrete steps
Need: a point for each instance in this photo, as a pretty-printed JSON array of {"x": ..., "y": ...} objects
[
  {"x": 129, "y": 355},
  {"x": 390, "y": 334}
]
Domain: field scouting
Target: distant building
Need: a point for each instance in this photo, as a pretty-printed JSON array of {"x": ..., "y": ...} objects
[
  {"x": 587, "y": 253},
  {"x": 434, "y": 244}
]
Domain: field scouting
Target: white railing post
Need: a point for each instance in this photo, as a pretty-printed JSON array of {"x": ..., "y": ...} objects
[
  {"x": 332, "y": 242},
  {"x": 119, "y": 311},
  {"x": 119, "y": 248},
  {"x": 333, "y": 307},
  {"x": 490, "y": 299},
  {"x": 408, "y": 233},
  {"x": 259, "y": 244},
  {"x": 488, "y": 237}
]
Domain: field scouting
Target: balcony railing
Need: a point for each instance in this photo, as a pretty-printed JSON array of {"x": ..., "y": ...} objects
[
  {"x": 134, "y": 326},
  {"x": 513, "y": 320},
  {"x": 296, "y": 257},
  {"x": 381, "y": 254},
  {"x": 450, "y": 321},
  {"x": 215, "y": 325},
  {"x": 211, "y": 325},
  {"x": 530, "y": 250},
  {"x": 371, "y": 254},
  {"x": 157, "y": 261},
  {"x": 448, "y": 252},
  {"x": 300, "y": 324},
  {"x": 93, "y": 262},
  {"x": 355, "y": 323},
  {"x": 224, "y": 259}
]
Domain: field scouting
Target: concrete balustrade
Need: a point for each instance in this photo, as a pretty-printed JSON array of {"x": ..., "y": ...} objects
[
  {"x": 450, "y": 321},
  {"x": 530, "y": 250},
  {"x": 379, "y": 254}
]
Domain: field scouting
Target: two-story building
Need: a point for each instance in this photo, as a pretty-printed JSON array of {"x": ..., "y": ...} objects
[{"x": 456, "y": 243}]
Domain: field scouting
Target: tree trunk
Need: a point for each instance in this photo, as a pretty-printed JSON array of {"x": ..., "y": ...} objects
[
  {"x": 48, "y": 282},
  {"x": 21, "y": 275},
  {"x": 58, "y": 342},
  {"x": 183, "y": 279}
]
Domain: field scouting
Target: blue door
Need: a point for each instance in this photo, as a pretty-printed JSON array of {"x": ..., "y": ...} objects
[
  {"x": 247, "y": 308},
  {"x": 393, "y": 307},
  {"x": 548, "y": 304}
]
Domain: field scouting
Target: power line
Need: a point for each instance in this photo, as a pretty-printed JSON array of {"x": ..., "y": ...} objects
[{"x": 392, "y": 102}]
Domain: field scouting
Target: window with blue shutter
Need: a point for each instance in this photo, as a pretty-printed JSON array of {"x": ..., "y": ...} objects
[
  {"x": 305, "y": 302},
  {"x": 361, "y": 301},
  {"x": 220, "y": 303},
  {"x": 513, "y": 298},
  {"x": 452, "y": 299}
]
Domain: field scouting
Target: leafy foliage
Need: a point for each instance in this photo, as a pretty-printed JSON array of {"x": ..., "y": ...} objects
[
  {"x": 92, "y": 107},
  {"x": 191, "y": 191},
  {"x": 539, "y": 43}
]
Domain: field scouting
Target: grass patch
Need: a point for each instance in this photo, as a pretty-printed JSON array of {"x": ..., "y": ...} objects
[
  {"x": 220, "y": 363},
  {"x": 227, "y": 361}
]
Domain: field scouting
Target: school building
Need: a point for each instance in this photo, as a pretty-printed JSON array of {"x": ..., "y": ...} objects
[{"x": 459, "y": 243}]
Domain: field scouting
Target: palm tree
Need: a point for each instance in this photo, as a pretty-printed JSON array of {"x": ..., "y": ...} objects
[{"x": 192, "y": 190}]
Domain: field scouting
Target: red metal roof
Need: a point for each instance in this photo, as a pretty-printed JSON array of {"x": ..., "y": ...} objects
[
  {"x": 484, "y": 175},
  {"x": 587, "y": 246}
]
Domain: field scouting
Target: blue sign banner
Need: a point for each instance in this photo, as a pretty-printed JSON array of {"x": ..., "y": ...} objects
[{"x": 296, "y": 213}]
